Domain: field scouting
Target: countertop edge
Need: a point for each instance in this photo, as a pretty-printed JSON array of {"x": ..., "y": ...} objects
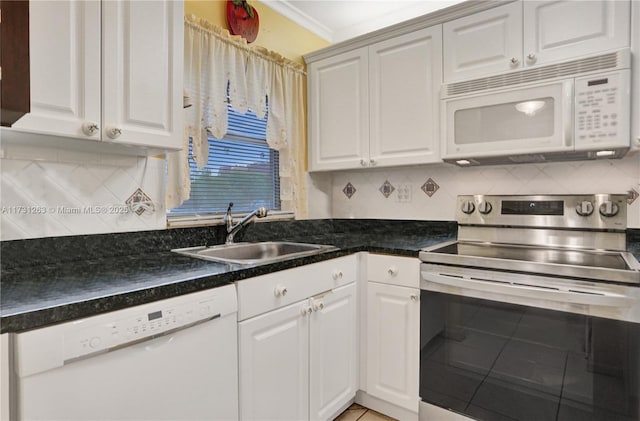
[{"x": 35, "y": 319}]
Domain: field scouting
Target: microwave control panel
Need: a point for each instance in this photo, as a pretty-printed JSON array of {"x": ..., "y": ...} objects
[{"x": 602, "y": 109}]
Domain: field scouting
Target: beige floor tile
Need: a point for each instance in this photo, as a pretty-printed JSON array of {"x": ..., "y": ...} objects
[
  {"x": 352, "y": 414},
  {"x": 374, "y": 416}
]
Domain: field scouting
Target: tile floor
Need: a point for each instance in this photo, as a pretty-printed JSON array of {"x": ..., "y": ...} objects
[{"x": 359, "y": 413}]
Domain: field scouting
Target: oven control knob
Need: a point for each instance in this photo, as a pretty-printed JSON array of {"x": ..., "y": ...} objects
[
  {"x": 468, "y": 207},
  {"x": 584, "y": 208},
  {"x": 608, "y": 208},
  {"x": 484, "y": 207}
]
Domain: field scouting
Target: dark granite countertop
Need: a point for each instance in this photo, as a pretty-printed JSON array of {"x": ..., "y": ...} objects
[
  {"x": 53, "y": 280},
  {"x": 49, "y": 281}
]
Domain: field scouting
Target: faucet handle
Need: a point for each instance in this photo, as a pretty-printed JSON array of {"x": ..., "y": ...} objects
[{"x": 230, "y": 206}]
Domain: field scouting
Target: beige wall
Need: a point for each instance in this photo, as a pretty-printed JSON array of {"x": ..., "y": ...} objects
[{"x": 277, "y": 33}]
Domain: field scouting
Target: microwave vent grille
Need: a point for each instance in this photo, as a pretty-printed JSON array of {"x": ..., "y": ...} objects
[{"x": 570, "y": 68}]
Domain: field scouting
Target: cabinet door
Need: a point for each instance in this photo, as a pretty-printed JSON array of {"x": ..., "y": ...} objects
[
  {"x": 558, "y": 30},
  {"x": 65, "y": 68},
  {"x": 483, "y": 43},
  {"x": 142, "y": 72},
  {"x": 5, "y": 381},
  {"x": 393, "y": 331},
  {"x": 274, "y": 365},
  {"x": 404, "y": 78},
  {"x": 333, "y": 359},
  {"x": 339, "y": 112}
]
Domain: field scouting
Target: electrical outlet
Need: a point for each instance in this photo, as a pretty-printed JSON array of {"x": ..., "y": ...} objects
[{"x": 404, "y": 193}]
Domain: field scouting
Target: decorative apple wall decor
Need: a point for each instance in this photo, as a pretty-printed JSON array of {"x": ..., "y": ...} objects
[{"x": 242, "y": 19}]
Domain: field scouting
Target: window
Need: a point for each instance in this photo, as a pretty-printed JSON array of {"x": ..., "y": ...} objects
[{"x": 241, "y": 169}]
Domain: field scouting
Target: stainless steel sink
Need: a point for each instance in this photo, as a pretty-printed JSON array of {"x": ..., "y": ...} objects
[{"x": 254, "y": 253}]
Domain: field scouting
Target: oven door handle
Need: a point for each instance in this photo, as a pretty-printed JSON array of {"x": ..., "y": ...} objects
[{"x": 573, "y": 296}]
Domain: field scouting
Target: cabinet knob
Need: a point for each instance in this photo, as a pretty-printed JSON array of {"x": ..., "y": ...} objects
[
  {"x": 90, "y": 128},
  {"x": 531, "y": 58},
  {"x": 337, "y": 275},
  {"x": 114, "y": 132},
  {"x": 280, "y": 291},
  {"x": 319, "y": 306},
  {"x": 363, "y": 163},
  {"x": 414, "y": 297},
  {"x": 514, "y": 61},
  {"x": 306, "y": 310},
  {"x": 373, "y": 162},
  {"x": 393, "y": 271}
]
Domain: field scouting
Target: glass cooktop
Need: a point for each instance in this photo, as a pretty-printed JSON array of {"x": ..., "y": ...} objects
[{"x": 612, "y": 260}]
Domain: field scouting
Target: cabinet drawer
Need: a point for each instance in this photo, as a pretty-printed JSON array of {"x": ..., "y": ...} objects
[
  {"x": 393, "y": 270},
  {"x": 265, "y": 293}
]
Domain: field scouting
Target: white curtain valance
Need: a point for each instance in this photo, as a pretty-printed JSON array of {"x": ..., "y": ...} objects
[{"x": 215, "y": 60}]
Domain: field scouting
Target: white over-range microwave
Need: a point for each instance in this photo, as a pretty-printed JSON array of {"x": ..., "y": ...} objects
[{"x": 573, "y": 110}]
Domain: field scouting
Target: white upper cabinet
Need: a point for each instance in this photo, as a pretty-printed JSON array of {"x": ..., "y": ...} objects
[
  {"x": 339, "y": 111},
  {"x": 557, "y": 30},
  {"x": 483, "y": 43},
  {"x": 376, "y": 105},
  {"x": 531, "y": 33},
  {"x": 108, "y": 71},
  {"x": 405, "y": 74},
  {"x": 142, "y": 61},
  {"x": 64, "y": 43}
]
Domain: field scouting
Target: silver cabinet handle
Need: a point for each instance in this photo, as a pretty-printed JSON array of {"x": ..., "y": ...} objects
[
  {"x": 514, "y": 61},
  {"x": 414, "y": 298},
  {"x": 531, "y": 58},
  {"x": 393, "y": 271},
  {"x": 337, "y": 275},
  {"x": 306, "y": 311},
  {"x": 363, "y": 163},
  {"x": 90, "y": 128},
  {"x": 114, "y": 132},
  {"x": 319, "y": 306}
]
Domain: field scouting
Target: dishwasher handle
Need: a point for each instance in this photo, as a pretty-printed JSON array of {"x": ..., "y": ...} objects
[{"x": 453, "y": 284}]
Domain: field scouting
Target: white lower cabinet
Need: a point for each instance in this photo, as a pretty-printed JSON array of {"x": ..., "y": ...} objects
[
  {"x": 393, "y": 344},
  {"x": 298, "y": 360},
  {"x": 333, "y": 359},
  {"x": 274, "y": 365},
  {"x": 5, "y": 369}
]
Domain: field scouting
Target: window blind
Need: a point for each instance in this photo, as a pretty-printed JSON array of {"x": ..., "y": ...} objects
[{"x": 241, "y": 169}]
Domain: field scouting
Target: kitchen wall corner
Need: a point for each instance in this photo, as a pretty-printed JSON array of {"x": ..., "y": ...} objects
[
  {"x": 411, "y": 196},
  {"x": 55, "y": 192},
  {"x": 319, "y": 195}
]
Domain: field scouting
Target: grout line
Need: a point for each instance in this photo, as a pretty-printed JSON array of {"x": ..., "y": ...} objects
[{"x": 362, "y": 415}]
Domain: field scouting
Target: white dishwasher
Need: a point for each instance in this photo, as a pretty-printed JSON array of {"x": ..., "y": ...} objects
[{"x": 174, "y": 359}]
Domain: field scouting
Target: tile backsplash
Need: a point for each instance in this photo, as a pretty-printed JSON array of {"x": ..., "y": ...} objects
[
  {"x": 429, "y": 192},
  {"x": 51, "y": 192}
]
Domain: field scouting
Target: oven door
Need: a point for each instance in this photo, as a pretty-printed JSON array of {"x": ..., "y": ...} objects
[
  {"x": 501, "y": 346},
  {"x": 525, "y": 120}
]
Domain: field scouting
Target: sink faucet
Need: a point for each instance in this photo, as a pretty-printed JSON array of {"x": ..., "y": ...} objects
[{"x": 232, "y": 229}]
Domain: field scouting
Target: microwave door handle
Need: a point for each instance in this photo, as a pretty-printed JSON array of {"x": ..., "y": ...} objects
[
  {"x": 525, "y": 291},
  {"x": 568, "y": 104}
]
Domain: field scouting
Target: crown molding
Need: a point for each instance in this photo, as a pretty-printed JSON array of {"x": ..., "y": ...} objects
[{"x": 287, "y": 10}]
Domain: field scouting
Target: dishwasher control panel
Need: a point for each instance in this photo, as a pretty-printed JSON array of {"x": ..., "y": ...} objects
[{"x": 140, "y": 323}]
